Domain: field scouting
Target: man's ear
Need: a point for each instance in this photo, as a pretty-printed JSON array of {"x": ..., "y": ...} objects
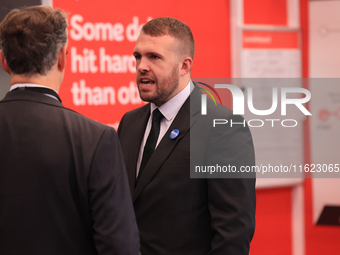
[
  {"x": 62, "y": 59},
  {"x": 186, "y": 66},
  {"x": 4, "y": 63}
]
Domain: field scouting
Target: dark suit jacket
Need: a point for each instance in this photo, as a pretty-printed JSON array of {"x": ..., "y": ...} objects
[
  {"x": 63, "y": 185},
  {"x": 177, "y": 214}
]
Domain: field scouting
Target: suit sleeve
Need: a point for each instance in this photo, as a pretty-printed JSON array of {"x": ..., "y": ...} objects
[
  {"x": 114, "y": 223},
  {"x": 232, "y": 200}
]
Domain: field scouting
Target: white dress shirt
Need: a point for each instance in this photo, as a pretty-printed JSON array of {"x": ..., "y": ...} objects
[{"x": 169, "y": 110}]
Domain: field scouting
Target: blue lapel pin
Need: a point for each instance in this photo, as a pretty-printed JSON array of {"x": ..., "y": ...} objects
[{"x": 174, "y": 133}]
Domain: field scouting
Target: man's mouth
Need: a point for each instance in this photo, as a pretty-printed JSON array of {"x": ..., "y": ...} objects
[{"x": 146, "y": 81}]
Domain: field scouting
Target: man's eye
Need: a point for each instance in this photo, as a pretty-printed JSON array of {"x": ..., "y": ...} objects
[
  {"x": 137, "y": 57},
  {"x": 154, "y": 57}
]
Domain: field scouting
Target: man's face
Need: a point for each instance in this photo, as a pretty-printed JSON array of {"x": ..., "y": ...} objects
[{"x": 157, "y": 67}]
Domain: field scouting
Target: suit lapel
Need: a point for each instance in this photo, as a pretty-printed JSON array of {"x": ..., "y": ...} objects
[
  {"x": 135, "y": 142},
  {"x": 183, "y": 121}
]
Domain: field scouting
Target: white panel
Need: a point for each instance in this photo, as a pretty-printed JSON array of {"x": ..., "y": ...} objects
[
  {"x": 324, "y": 39},
  {"x": 47, "y": 2}
]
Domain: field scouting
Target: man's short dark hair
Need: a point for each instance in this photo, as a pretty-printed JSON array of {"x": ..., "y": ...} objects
[
  {"x": 31, "y": 39},
  {"x": 175, "y": 28}
]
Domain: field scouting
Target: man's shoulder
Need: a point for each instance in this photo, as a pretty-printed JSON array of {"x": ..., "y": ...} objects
[
  {"x": 136, "y": 112},
  {"x": 83, "y": 121},
  {"x": 217, "y": 110},
  {"x": 134, "y": 118},
  {"x": 214, "y": 109}
]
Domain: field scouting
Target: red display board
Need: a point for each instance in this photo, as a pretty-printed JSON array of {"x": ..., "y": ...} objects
[
  {"x": 265, "y": 12},
  {"x": 100, "y": 74}
]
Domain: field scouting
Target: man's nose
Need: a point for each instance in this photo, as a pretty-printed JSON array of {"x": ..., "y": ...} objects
[{"x": 143, "y": 65}]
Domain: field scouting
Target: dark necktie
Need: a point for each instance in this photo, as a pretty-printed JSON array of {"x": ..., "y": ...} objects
[{"x": 151, "y": 142}]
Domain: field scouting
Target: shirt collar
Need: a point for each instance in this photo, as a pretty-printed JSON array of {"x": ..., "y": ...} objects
[
  {"x": 31, "y": 85},
  {"x": 20, "y": 85},
  {"x": 170, "y": 108}
]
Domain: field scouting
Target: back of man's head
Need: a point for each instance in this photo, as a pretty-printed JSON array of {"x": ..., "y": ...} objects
[
  {"x": 175, "y": 28},
  {"x": 31, "y": 39}
]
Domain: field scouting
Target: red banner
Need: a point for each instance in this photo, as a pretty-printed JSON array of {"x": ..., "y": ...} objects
[
  {"x": 270, "y": 40},
  {"x": 100, "y": 73}
]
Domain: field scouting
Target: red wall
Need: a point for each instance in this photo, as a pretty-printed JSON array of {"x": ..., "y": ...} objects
[{"x": 273, "y": 222}]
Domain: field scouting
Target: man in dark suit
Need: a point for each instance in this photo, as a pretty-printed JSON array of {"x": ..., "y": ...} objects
[
  {"x": 163, "y": 140},
  {"x": 63, "y": 184}
]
